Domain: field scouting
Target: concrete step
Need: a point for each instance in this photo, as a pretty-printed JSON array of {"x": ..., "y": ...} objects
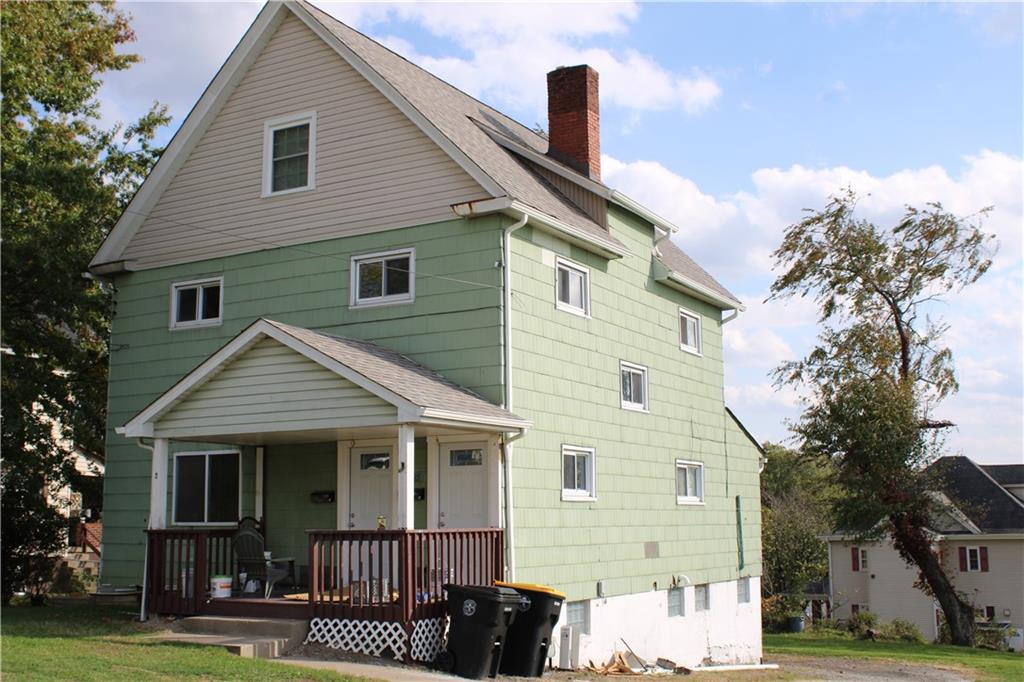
[
  {"x": 246, "y": 647},
  {"x": 292, "y": 632}
]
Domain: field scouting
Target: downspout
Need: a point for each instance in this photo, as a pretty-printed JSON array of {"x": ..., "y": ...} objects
[
  {"x": 506, "y": 325},
  {"x": 143, "y": 615}
]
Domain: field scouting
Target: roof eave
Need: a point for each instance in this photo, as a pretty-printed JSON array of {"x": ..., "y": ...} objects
[{"x": 686, "y": 285}]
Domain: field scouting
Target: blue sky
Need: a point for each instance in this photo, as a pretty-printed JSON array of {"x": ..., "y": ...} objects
[{"x": 729, "y": 119}]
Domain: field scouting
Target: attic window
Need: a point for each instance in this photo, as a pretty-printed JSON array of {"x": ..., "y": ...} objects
[
  {"x": 289, "y": 154},
  {"x": 197, "y": 303},
  {"x": 689, "y": 331}
]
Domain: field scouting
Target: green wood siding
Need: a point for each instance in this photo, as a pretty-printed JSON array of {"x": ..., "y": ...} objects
[
  {"x": 291, "y": 473},
  {"x": 273, "y": 388},
  {"x": 566, "y": 379},
  {"x": 453, "y": 327}
]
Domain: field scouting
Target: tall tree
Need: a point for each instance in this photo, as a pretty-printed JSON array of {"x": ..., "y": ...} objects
[
  {"x": 65, "y": 181},
  {"x": 879, "y": 368}
]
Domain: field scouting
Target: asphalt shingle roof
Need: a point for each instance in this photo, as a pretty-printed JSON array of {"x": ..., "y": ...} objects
[
  {"x": 677, "y": 260},
  {"x": 1005, "y": 474},
  {"x": 988, "y": 505},
  {"x": 398, "y": 374}
]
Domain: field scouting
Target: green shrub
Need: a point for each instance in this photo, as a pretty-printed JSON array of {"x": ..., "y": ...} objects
[
  {"x": 66, "y": 581},
  {"x": 828, "y": 625},
  {"x": 859, "y": 623},
  {"x": 774, "y": 612},
  {"x": 992, "y": 637},
  {"x": 901, "y": 631}
]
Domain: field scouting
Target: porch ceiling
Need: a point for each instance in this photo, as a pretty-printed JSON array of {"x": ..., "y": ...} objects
[{"x": 278, "y": 383}]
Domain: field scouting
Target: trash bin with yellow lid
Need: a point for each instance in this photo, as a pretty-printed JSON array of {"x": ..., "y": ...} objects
[{"x": 529, "y": 636}]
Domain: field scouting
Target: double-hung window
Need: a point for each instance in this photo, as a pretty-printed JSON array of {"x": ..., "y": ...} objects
[
  {"x": 689, "y": 331},
  {"x": 633, "y": 379},
  {"x": 383, "y": 278},
  {"x": 572, "y": 287},
  {"x": 207, "y": 488},
  {"x": 577, "y": 473},
  {"x": 289, "y": 154},
  {"x": 689, "y": 482},
  {"x": 197, "y": 303}
]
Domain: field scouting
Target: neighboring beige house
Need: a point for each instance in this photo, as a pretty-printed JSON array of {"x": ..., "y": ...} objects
[{"x": 980, "y": 536}]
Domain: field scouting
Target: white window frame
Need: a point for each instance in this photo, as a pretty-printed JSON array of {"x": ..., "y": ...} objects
[
  {"x": 699, "y": 348},
  {"x": 863, "y": 558},
  {"x": 574, "y": 494},
  {"x": 743, "y": 591},
  {"x": 206, "y": 491},
  {"x": 707, "y": 601},
  {"x": 196, "y": 284},
  {"x": 625, "y": 366},
  {"x": 395, "y": 299},
  {"x": 678, "y": 596},
  {"x": 567, "y": 264},
  {"x": 689, "y": 499},
  {"x": 278, "y": 123},
  {"x": 977, "y": 556}
]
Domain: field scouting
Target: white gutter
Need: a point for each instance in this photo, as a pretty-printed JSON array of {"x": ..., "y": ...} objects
[
  {"x": 703, "y": 292},
  {"x": 506, "y": 361}
]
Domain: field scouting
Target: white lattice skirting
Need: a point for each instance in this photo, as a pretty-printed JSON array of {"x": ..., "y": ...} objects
[{"x": 375, "y": 637}]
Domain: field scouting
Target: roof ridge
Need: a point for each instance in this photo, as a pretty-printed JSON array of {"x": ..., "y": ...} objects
[{"x": 423, "y": 70}]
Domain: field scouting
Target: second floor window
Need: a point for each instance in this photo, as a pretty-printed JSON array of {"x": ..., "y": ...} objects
[
  {"x": 572, "y": 287},
  {"x": 197, "y": 303},
  {"x": 689, "y": 482},
  {"x": 289, "y": 154},
  {"x": 577, "y": 473},
  {"x": 689, "y": 331},
  {"x": 634, "y": 386},
  {"x": 380, "y": 278}
]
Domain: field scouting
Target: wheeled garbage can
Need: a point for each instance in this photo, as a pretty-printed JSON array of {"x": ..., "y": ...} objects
[
  {"x": 529, "y": 636},
  {"x": 479, "y": 618}
]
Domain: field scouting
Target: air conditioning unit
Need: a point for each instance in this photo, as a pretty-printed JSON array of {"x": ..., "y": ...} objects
[{"x": 569, "y": 648}]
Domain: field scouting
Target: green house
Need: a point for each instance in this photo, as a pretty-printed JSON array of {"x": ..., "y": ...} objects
[{"x": 411, "y": 341}]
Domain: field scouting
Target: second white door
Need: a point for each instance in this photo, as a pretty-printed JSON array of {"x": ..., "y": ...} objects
[
  {"x": 370, "y": 487},
  {"x": 463, "y": 485}
]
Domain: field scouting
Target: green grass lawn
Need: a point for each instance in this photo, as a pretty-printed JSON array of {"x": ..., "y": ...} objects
[
  {"x": 103, "y": 643},
  {"x": 980, "y": 664}
]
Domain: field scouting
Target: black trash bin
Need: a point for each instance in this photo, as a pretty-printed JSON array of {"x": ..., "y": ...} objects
[
  {"x": 479, "y": 617},
  {"x": 529, "y": 636}
]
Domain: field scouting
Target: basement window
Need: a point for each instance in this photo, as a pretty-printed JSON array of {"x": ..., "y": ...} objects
[
  {"x": 572, "y": 287},
  {"x": 207, "y": 488},
  {"x": 577, "y": 616},
  {"x": 676, "y": 602},
  {"x": 197, "y": 303},
  {"x": 289, "y": 154},
  {"x": 384, "y": 278},
  {"x": 743, "y": 591},
  {"x": 701, "y": 598}
]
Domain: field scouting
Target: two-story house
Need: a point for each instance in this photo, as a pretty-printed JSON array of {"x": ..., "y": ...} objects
[
  {"x": 979, "y": 534},
  {"x": 419, "y": 343}
]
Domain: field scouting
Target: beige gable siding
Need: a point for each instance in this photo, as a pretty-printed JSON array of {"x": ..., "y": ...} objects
[
  {"x": 375, "y": 170},
  {"x": 594, "y": 206},
  {"x": 273, "y": 388}
]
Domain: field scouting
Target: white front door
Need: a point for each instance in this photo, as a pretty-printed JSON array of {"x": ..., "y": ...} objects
[
  {"x": 463, "y": 485},
  {"x": 370, "y": 487}
]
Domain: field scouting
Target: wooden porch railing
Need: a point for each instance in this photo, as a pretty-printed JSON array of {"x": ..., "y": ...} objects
[
  {"x": 89, "y": 536},
  {"x": 397, "y": 575},
  {"x": 180, "y": 563}
]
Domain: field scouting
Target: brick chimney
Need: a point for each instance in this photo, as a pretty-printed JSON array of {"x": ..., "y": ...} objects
[{"x": 574, "y": 119}]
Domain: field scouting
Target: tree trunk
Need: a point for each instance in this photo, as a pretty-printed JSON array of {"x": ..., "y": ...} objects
[{"x": 913, "y": 544}]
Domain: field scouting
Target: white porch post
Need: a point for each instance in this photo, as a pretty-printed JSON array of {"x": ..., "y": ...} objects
[
  {"x": 158, "y": 485},
  {"x": 402, "y": 472},
  {"x": 258, "y": 485}
]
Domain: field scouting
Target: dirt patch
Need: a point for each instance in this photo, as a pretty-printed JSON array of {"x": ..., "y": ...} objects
[{"x": 861, "y": 669}]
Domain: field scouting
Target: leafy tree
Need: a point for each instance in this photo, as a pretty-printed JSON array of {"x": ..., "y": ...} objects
[
  {"x": 879, "y": 368},
  {"x": 65, "y": 181},
  {"x": 796, "y": 498}
]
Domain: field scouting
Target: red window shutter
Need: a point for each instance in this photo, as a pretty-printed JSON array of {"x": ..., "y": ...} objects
[
  {"x": 855, "y": 558},
  {"x": 990, "y": 613},
  {"x": 963, "y": 559},
  {"x": 983, "y": 553}
]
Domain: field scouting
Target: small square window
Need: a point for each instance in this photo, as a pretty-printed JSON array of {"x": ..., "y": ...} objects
[
  {"x": 689, "y": 482},
  {"x": 383, "y": 278},
  {"x": 572, "y": 288},
  {"x": 577, "y": 616},
  {"x": 689, "y": 331},
  {"x": 196, "y": 304},
  {"x": 577, "y": 473},
  {"x": 743, "y": 591},
  {"x": 676, "y": 602},
  {"x": 701, "y": 598},
  {"x": 633, "y": 386},
  {"x": 289, "y": 154}
]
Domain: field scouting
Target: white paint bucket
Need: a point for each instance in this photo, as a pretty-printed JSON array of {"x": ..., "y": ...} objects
[{"x": 220, "y": 586}]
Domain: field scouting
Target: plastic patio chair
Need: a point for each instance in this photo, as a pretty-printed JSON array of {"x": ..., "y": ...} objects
[{"x": 248, "y": 546}]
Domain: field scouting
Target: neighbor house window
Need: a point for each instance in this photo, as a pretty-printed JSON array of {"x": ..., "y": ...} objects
[
  {"x": 859, "y": 558},
  {"x": 572, "y": 287},
  {"x": 701, "y": 598},
  {"x": 577, "y": 616},
  {"x": 743, "y": 591},
  {"x": 577, "y": 473},
  {"x": 382, "y": 278},
  {"x": 633, "y": 379},
  {"x": 689, "y": 482},
  {"x": 289, "y": 154},
  {"x": 197, "y": 303},
  {"x": 974, "y": 559},
  {"x": 689, "y": 331},
  {"x": 676, "y": 602},
  {"x": 206, "y": 488}
]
